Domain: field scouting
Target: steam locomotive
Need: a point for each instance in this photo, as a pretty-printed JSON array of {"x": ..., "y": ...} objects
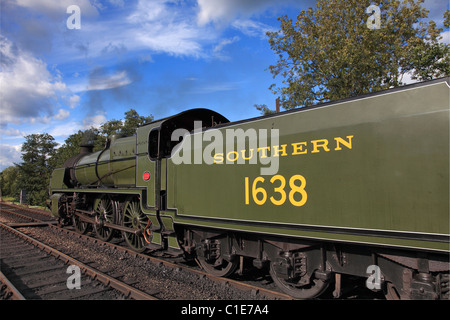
[{"x": 353, "y": 187}]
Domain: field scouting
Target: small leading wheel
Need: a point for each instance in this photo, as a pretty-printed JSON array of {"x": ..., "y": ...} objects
[
  {"x": 105, "y": 211},
  {"x": 135, "y": 219},
  {"x": 294, "y": 288},
  {"x": 80, "y": 225}
]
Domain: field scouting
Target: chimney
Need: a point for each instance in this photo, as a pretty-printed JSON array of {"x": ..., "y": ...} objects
[
  {"x": 86, "y": 148},
  {"x": 277, "y": 105}
]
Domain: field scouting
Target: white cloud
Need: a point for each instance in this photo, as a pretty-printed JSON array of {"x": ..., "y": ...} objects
[
  {"x": 63, "y": 131},
  {"x": 116, "y": 80},
  {"x": 252, "y": 28},
  {"x": 10, "y": 155},
  {"x": 166, "y": 26},
  {"x": 217, "y": 87},
  {"x": 224, "y": 11},
  {"x": 94, "y": 121},
  {"x": 11, "y": 132},
  {"x": 218, "y": 49},
  {"x": 57, "y": 9},
  {"x": 27, "y": 89},
  {"x": 73, "y": 101},
  {"x": 62, "y": 114}
]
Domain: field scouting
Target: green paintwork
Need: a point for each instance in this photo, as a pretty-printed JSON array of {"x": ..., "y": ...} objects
[
  {"x": 115, "y": 166},
  {"x": 395, "y": 177},
  {"x": 55, "y": 205},
  {"x": 57, "y": 179}
]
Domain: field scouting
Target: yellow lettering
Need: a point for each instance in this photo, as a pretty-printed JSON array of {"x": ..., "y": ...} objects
[
  {"x": 322, "y": 143},
  {"x": 259, "y": 194},
  {"x": 280, "y": 190},
  {"x": 218, "y": 158},
  {"x": 348, "y": 143},
  {"x": 256, "y": 191},
  {"x": 298, "y": 189},
  {"x": 264, "y": 153},
  {"x": 246, "y": 191},
  {"x": 249, "y": 157},
  {"x": 236, "y": 156},
  {"x": 298, "y": 148},
  {"x": 276, "y": 150}
]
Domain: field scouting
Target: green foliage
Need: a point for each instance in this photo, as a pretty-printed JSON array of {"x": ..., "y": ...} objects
[
  {"x": 447, "y": 19},
  {"x": 264, "y": 109},
  {"x": 431, "y": 59},
  {"x": 329, "y": 52},
  {"x": 9, "y": 182},
  {"x": 134, "y": 120},
  {"x": 35, "y": 170}
]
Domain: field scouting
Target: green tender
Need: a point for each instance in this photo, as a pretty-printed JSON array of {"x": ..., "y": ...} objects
[{"x": 375, "y": 170}]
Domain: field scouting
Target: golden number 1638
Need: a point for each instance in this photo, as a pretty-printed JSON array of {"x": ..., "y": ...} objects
[{"x": 257, "y": 189}]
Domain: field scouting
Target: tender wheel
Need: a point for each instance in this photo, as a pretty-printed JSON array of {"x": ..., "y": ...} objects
[
  {"x": 391, "y": 292},
  {"x": 295, "y": 288},
  {"x": 105, "y": 211},
  {"x": 134, "y": 218},
  {"x": 211, "y": 260},
  {"x": 221, "y": 268}
]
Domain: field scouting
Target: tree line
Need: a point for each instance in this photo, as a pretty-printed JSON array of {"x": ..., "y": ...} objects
[
  {"x": 333, "y": 51},
  {"x": 40, "y": 155}
]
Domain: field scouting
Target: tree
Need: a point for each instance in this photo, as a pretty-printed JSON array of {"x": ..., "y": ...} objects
[
  {"x": 128, "y": 127},
  {"x": 35, "y": 170},
  {"x": 134, "y": 120},
  {"x": 8, "y": 182},
  {"x": 111, "y": 127},
  {"x": 264, "y": 109},
  {"x": 72, "y": 144},
  {"x": 432, "y": 59},
  {"x": 330, "y": 52}
]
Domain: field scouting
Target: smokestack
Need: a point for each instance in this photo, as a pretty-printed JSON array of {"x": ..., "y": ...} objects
[
  {"x": 86, "y": 149},
  {"x": 87, "y": 142}
]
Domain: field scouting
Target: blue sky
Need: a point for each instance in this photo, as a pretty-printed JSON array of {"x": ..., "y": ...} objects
[{"x": 159, "y": 57}]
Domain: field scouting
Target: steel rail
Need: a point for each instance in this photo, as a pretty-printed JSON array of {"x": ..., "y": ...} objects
[
  {"x": 126, "y": 289},
  {"x": 15, "y": 294}
]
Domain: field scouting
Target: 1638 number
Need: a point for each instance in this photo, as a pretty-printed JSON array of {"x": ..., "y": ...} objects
[{"x": 295, "y": 192}]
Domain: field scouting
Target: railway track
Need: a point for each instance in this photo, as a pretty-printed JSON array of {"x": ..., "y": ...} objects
[
  {"x": 163, "y": 267},
  {"x": 167, "y": 278},
  {"x": 33, "y": 270}
]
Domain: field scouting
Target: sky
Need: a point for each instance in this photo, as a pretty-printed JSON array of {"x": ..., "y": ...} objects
[{"x": 70, "y": 65}]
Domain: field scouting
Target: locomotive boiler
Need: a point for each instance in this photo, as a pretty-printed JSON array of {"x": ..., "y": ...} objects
[{"x": 358, "y": 187}]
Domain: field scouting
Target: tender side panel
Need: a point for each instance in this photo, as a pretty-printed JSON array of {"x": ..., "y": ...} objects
[{"x": 370, "y": 170}]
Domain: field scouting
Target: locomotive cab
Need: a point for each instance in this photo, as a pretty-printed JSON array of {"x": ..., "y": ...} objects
[{"x": 160, "y": 143}]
